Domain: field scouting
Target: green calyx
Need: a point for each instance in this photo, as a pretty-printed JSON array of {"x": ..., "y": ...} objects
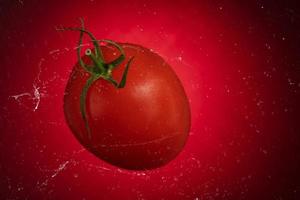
[{"x": 98, "y": 69}]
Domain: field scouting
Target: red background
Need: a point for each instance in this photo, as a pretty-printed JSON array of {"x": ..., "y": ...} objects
[{"x": 239, "y": 64}]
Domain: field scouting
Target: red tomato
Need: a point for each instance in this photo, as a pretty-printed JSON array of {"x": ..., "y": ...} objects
[{"x": 141, "y": 126}]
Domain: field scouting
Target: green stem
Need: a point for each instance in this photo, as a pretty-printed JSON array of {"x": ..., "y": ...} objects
[
  {"x": 124, "y": 76},
  {"x": 82, "y": 64},
  {"x": 100, "y": 69},
  {"x": 99, "y": 64},
  {"x": 83, "y": 96},
  {"x": 118, "y": 60}
]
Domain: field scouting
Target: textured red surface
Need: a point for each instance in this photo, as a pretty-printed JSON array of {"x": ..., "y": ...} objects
[{"x": 239, "y": 65}]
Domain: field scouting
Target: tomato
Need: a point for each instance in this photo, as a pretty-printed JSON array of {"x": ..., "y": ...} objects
[{"x": 141, "y": 126}]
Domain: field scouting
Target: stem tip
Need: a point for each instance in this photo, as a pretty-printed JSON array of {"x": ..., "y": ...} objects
[{"x": 88, "y": 52}]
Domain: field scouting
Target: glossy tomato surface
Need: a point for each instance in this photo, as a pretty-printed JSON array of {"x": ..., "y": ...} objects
[{"x": 141, "y": 126}]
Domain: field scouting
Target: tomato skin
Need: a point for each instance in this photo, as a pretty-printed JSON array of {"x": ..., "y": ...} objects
[{"x": 141, "y": 126}]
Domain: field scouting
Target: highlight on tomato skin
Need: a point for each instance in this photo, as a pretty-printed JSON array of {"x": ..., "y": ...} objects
[{"x": 141, "y": 126}]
